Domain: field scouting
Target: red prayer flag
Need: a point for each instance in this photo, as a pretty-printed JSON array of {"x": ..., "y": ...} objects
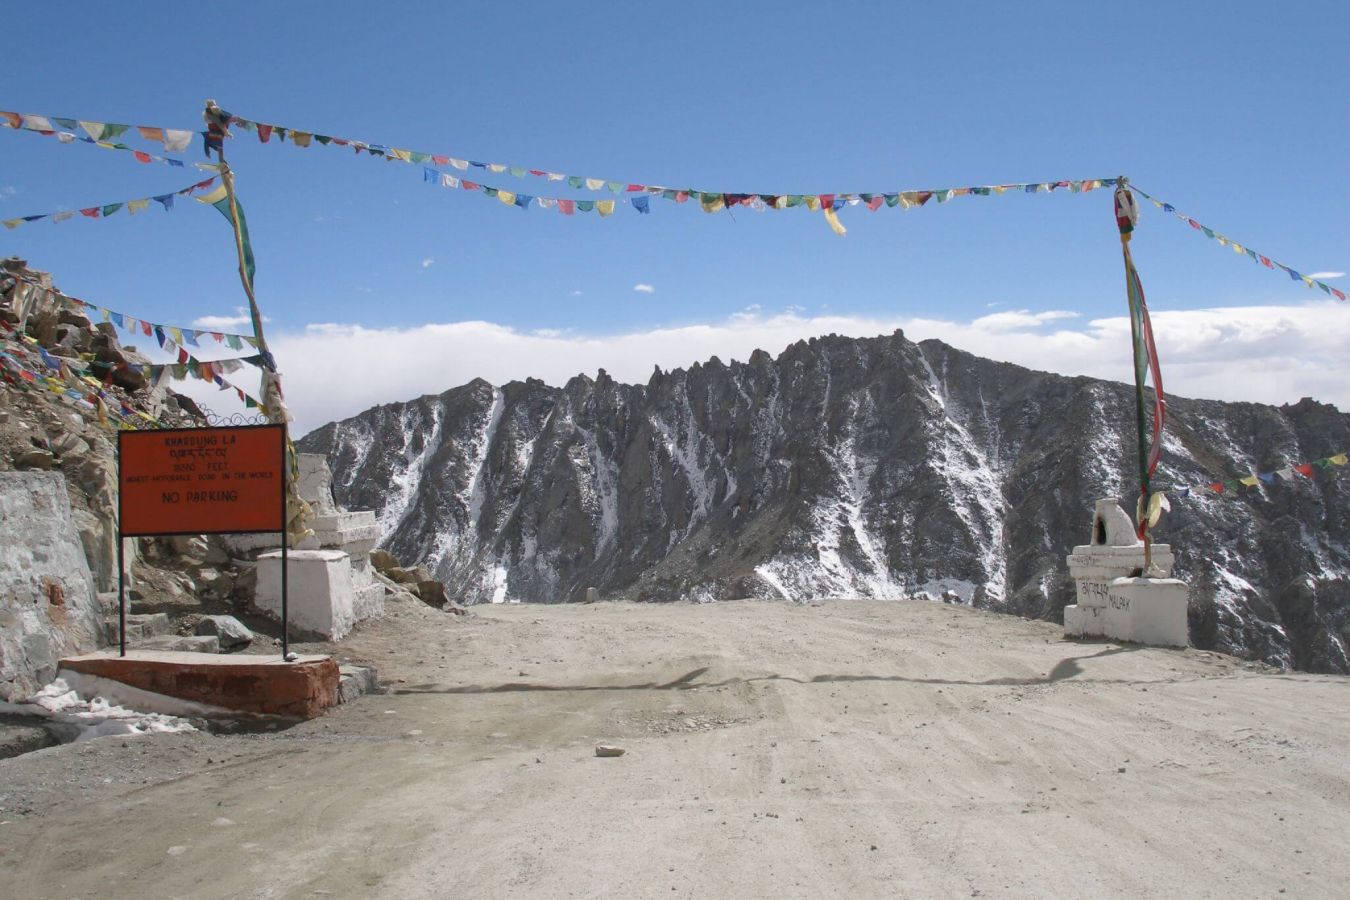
[
  {"x": 827, "y": 201},
  {"x": 567, "y": 207},
  {"x": 468, "y": 185},
  {"x": 1217, "y": 487},
  {"x": 264, "y": 132},
  {"x": 142, "y": 157},
  {"x": 539, "y": 172},
  {"x": 1265, "y": 262},
  {"x": 1306, "y": 470},
  {"x": 182, "y": 355},
  {"x": 1340, "y": 295},
  {"x": 875, "y": 203},
  {"x": 441, "y": 160},
  {"x": 91, "y": 212},
  {"x": 634, "y": 187}
]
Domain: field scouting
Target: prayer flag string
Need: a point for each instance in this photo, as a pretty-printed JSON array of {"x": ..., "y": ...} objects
[
  {"x": 105, "y": 210},
  {"x": 1288, "y": 473},
  {"x": 142, "y": 326},
  {"x": 1240, "y": 249}
]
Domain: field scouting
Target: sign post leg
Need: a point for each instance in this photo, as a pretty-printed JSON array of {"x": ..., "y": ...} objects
[
  {"x": 285, "y": 612},
  {"x": 121, "y": 596}
]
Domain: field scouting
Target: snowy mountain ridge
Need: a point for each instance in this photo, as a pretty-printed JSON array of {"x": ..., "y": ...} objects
[{"x": 872, "y": 467}]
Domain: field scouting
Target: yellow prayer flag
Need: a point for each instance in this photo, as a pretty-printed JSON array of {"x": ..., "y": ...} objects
[
  {"x": 1339, "y": 459},
  {"x": 1250, "y": 480},
  {"x": 813, "y": 203},
  {"x": 604, "y": 207},
  {"x": 214, "y": 197},
  {"x": 496, "y": 167},
  {"x": 835, "y": 224},
  {"x": 301, "y": 138},
  {"x": 1308, "y": 281},
  {"x": 12, "y": 223},
  {"x": 594, "y": 184},
  {"x": 780, "y": 202},
  {"x": 405, "y": 155},
  {"x": 506, "y": 197},
  {"x": 151, "y": 134},
  {"x": 1238, "y": 248},
  {"x": 135, "y": 206},
  {"x": 1000, "y": 188},
  {"x": 176, "y": 334}
]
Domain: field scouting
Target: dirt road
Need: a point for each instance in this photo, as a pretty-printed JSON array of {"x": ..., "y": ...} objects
[{"x": 855, "y": 749}]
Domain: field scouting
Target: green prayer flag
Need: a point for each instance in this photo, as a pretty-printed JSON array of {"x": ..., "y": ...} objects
[
  {"x": 323, "y": 139},
  {"x": 575, "y": 181},
  {"x": 794, "y": 200},
  {"x": 517, "y": 171},
  {"x": 221, "y": 201},
  {"x": 110, "y": 209},
  {"x": 585, "y": 205}
]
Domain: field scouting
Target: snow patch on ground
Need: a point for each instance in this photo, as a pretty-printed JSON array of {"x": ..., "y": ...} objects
[{"x": 84, "y": 707}]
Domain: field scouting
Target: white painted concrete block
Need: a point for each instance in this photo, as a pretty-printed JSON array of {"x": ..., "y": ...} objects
[
  {"x": 1155, "y": 608},
  {"x": 321, "y": 600}
]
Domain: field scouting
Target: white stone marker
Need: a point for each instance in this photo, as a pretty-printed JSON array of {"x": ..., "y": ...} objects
[
  {"x": 1112, "y": 604},
  {"x": 320, "y": 599}
]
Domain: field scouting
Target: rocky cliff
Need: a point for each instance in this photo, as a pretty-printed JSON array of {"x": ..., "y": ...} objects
[{"x": 849, "y": 467}]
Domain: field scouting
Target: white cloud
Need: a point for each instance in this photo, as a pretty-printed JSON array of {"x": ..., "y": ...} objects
[
  {"x": 1272, "y": 354},
  {"x": 644, "y": 289},
  {"x": 1323, "y": 276},
  {"x": 576, "y": 293},
  {"x": 1015, "y": 320},
  {"x": 220, "y": 323},
  {"x": 428, "y": 262}
]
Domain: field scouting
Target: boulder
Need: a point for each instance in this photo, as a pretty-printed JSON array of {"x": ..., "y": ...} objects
[
  {"x": 432, "y": 593},
  {"x": 66, "y": 317},
  {"x": 34, "y": 459},
  {"x": 127, "y": 379},
  {"x": 383, "y": 561},
  {"x": 229, "y": 631},
  {"x": 402, "y": 576}
]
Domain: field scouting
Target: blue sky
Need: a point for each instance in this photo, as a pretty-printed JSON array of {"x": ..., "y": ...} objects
[{"x": 1232, "y": 111}]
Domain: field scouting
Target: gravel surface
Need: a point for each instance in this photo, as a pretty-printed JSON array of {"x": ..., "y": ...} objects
[{"x": 844, "y": 750}]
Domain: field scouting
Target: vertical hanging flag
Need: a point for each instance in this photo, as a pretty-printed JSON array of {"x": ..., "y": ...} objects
[
  {"x": 220, "y": 199},
  {"x": 1145, "y": 356}
]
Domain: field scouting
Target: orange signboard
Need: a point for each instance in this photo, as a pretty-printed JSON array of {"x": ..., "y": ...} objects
[{"x": 202, "y": 480}]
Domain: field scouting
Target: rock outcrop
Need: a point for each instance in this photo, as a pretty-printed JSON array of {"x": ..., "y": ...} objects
[{"x": 48, "y": 605}]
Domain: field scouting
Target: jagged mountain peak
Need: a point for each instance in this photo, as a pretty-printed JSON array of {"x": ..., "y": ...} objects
[{"x": 847, "y": 466}]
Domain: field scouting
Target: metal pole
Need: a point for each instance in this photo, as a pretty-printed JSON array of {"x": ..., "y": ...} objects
[
  {"x": 285, "y": 550},
  {"x": 1141, "y": 421},
  {"x": 121, "y": 596}
]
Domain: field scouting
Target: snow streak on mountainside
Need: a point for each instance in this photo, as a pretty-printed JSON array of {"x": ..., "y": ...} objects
[{"x": 849, "y": 467}]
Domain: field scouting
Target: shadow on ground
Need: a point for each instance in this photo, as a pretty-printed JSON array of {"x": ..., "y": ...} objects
[{"x": 1063, "y": 670}]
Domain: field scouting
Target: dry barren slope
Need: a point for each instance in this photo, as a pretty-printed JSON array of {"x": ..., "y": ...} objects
[{"x": 849, "y": 749}]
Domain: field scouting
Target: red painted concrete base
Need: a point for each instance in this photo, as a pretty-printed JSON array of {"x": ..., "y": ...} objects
[{"x": 258, "y": 684}]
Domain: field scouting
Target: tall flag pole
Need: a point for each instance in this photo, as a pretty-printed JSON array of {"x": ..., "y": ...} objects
[
  {"x": 225, "y": 200},
  {"x": 1150, "y": 506}
]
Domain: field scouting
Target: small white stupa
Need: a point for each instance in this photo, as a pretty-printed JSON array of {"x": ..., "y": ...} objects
[{"x": 1117, "y": 599}]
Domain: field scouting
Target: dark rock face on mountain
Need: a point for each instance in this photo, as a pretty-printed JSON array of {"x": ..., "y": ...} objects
[{"x": 850, "y": 467}]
